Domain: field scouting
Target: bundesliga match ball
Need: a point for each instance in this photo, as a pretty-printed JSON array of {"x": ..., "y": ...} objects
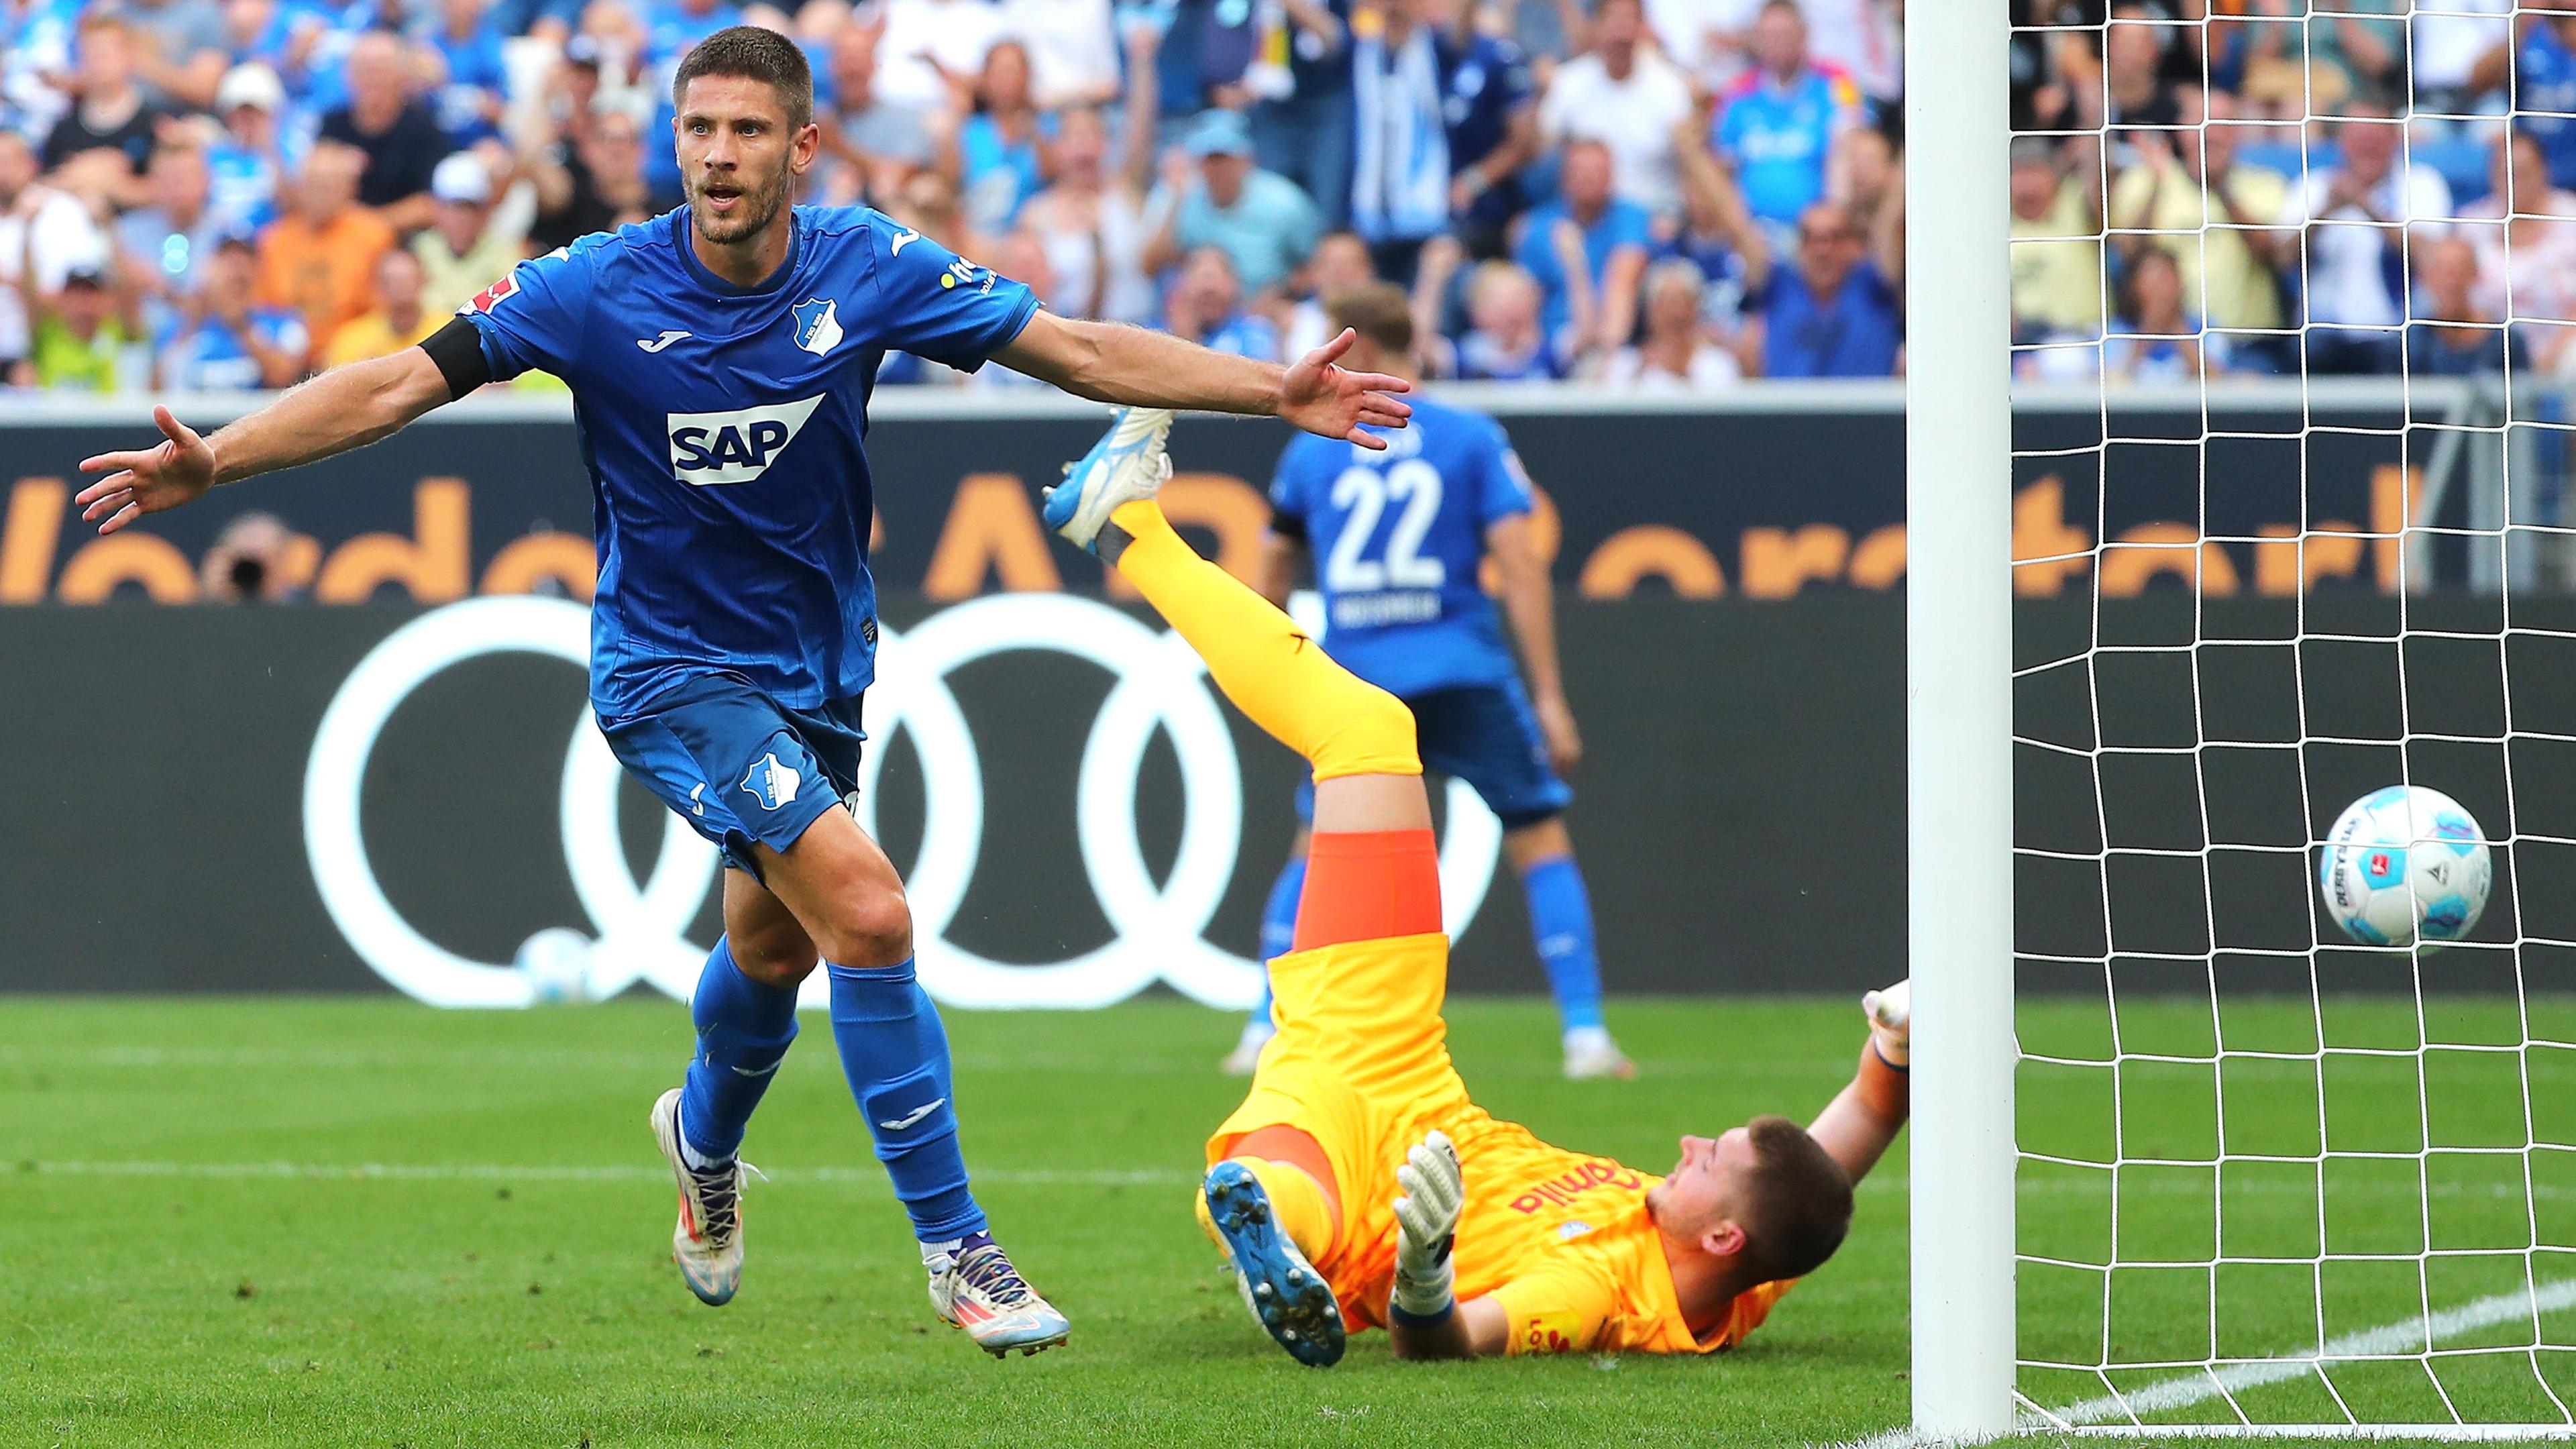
[
  {"x": 2403, "y": 863},
  {"x": 556, "y": 963}
]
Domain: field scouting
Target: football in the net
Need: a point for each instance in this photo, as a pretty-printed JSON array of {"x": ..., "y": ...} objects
[{"x": 2405, "y": 863}]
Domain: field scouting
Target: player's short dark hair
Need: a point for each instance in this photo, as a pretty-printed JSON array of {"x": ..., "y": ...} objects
[
  {"x": 1800, "y": 1203},
  {"x": 753, "y": 53},
  {"x": 1378, "y": 311}
]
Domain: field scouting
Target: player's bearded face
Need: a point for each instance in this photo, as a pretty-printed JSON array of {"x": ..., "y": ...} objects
[{"x": 729, "y": 202}]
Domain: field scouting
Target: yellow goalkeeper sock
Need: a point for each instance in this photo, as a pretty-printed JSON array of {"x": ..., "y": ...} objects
[
  {"x": 1296, "y": 1200},
  {"x": 1342, "y": 724}
]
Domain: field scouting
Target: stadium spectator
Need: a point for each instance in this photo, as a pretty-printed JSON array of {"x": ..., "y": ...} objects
[
  {"x": 991, "y": 153},
  {"x": 931, "y": 49},
  {"x": 1094, "y": 218},
  {"x": 1505, "y": 340},
  {"x": 1717, "y": 233},
  {"x": 1206, "y": 307},
  {"x": 392, "y": 128},
  {"x": 320, "y": 257},
  {"x": 163, "y": 245},
  {"x": 223, "y": 343},
  {"x": 1674, "y": 355},
  {"x": 2056, "y": 248},
  {"x": 1623, "y": 94},
  {"x": 1711, "y": 40},
  {"x": 1265, "y": 224},
  {"x": 245, "y": 164},
  {"x": 1302, "y": 120},
  {"x": 2154, "y": 339},
  {"x": 1831, "y": 311},
  {"x": 470, "y": 246},
  {"x": 1864, "y": 40},
  {"x": 877, "y": 142},
  {"x": 111, "y": 114},
  {"x": 2443, "y": 47},
  {"x": 2451, "y": 335},
  {"x": 465, "y": 53},
  {"x": 674, "y": 28},
  {"x": 44, "y": 234},
  {"x": 2524, "y": 233},
  {"x": 1340, "y": 264},
  {"x": 1437, "y": 101},
  {"x": 1590, "y": 244},
  {"x": 1073, "y": 48},
  {"x": 2536, "y": 68},
  {"x": 2136, "y": 87},
  {"x": 928, "y": 204},
  {"x": 593, "y": 184},
  {"x": 38, "y": 40},
  {"x": 2352, "y": 216},
  {"x": 2214, "y": 214},
  {"x": 85, "y": 341},
  {"x": 1783, "y": 119},
  {"x": 178, "y": 49},
  {"x": 398, "y": 319}
]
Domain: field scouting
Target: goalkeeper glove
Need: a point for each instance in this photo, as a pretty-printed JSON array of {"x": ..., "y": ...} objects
[
  {"x": 1426, "y": 1222},
  {"x": 1890, "y": 1015}
]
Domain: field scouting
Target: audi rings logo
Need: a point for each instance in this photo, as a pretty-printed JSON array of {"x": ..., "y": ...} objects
[{"x": 638, "y": 929}]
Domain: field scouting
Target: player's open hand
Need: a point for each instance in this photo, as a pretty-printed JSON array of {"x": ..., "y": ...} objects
[
  {"x": 177, "y": 470},
  {"x": 1334, "y": 402},
  {"x": 1426, "y": 1217}
]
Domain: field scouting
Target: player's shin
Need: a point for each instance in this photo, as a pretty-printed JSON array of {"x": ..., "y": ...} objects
[
  {"x": 895, "y": 1054},
  {"x": 1560, "y": 916},
  {"x": 744, "y": 1028},
  {"x": 1259, "y": 657}
]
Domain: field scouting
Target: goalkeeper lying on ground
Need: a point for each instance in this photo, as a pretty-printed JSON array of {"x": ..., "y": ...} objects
[{"x": 1357, "y": 1182}]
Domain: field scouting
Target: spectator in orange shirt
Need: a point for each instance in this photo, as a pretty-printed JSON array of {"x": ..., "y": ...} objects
[
  {"x": 399, "y": 322},
  {"x": 320, "y": 258}
]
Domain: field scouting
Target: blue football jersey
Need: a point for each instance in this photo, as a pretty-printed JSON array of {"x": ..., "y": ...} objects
[
  {"x": 722, "y": 428},
  {"x": 1398, "y": 538}
]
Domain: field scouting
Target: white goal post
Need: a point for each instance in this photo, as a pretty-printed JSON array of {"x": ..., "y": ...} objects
[{"x": 2343, "y": 1207}]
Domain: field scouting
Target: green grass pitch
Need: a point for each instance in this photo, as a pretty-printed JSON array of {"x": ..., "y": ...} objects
[{"x": 200, "y": 1253}]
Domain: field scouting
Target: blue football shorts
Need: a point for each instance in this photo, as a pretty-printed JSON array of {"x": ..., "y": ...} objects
[
  {"x": 739, "y": 766},
  {"x": 1488, "y": 736}
]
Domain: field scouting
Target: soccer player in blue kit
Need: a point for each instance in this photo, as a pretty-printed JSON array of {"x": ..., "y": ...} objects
[
  {"x": 720, "y": 360},
  {"x": 1400, "y": 535}
]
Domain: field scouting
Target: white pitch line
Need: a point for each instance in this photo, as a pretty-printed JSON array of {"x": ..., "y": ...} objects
[
  {"x": 2185, "y": 1390},
  {"x": 615, "y": 1172}
]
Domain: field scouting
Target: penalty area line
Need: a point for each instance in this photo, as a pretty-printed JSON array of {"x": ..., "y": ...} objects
[
  {"x": 2111, "y": 1413},
  {"x": 613, "y": 1172}
]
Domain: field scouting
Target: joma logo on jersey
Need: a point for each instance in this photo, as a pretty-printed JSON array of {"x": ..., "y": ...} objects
[{"x": 734, "y": 447}]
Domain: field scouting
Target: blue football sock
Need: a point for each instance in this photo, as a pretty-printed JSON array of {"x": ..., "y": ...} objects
[
  {"x": 743, "y": 1031},
  {"x": 1279, "y": 926},
  {"x": 895, "y": 1053},
  {"x": 1560, "y": 911}
]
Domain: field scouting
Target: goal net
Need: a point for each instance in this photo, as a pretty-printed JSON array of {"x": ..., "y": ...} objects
[{"x": 2288, "y": 448}]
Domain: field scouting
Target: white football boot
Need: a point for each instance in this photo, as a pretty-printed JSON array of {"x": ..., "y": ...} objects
[
  {"x": 707, "y": 1244},
  {"x": 979, "y": 1291},
  {"x": 1127, "y": 463},
  {"x": 1590, "y": 1054}
]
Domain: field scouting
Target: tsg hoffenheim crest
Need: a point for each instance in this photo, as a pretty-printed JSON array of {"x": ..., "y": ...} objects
[
  {"x": 773, "y": 783},
  {"x": 818, "y": 325}
]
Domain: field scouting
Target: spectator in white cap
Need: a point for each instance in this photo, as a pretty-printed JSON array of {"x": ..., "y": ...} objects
[
  {"x": 244, "y": 164},
  {"x": 468, "y": 246}
]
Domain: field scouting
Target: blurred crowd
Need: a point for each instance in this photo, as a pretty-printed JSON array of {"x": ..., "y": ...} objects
[
  {"x": 1660, "y": 194},
  {"x": 217, "y": 194}
]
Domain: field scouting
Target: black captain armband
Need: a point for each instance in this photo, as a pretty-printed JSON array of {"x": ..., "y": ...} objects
[
  {"x": 458, "y": 350},
  {"x": 1289, "y": 526}
]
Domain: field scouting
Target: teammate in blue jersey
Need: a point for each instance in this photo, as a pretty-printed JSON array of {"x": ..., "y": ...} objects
[
  {"x": 720, "y": 360},
  {"x": 1400, "y": 536}
]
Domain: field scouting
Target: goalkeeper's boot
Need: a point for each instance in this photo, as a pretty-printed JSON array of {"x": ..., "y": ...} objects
[
  {"x": 978, "y": 1290},
  {"x": 1590, "y": 1054},
  {"x": 707, "y": 1244},
  {"x": 1127, "y": 463},
  {"x": 1288, "y": 1298}
]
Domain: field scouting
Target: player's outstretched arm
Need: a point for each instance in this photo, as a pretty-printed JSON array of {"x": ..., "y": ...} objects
[
  {"x": 1857, "y": 1126},
  {"x": 347, "y": 407},
  {"x": 1131, "y": 366}
]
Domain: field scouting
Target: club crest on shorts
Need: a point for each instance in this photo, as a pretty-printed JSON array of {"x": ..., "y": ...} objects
[
  {"x": 773, "y": 783},
  {"x": 818, "y": 325}
]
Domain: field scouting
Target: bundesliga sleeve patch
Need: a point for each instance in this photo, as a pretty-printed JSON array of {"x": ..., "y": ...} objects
[{"x": 482, "y": 301}]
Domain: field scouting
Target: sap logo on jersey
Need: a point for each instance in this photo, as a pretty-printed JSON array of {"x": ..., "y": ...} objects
[{"x": 734, "y": 447}]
